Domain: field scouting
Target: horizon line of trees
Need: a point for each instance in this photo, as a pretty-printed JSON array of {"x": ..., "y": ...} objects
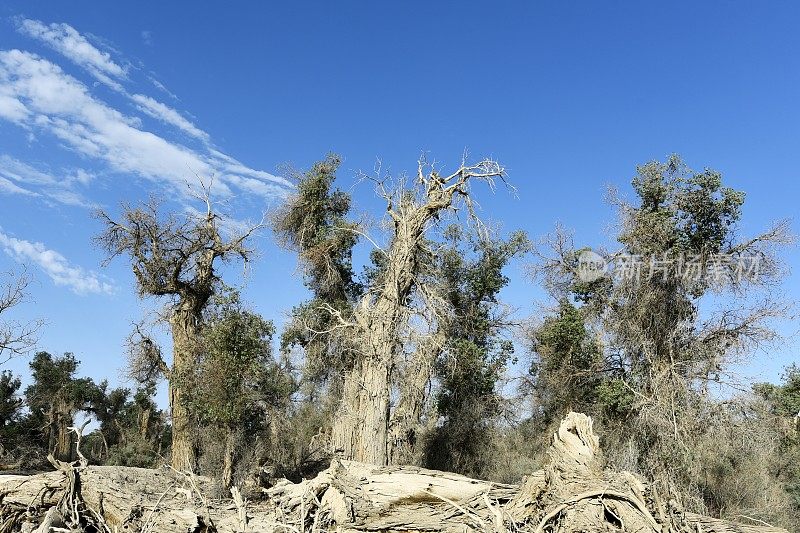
[{"x": 405, "y": 360}]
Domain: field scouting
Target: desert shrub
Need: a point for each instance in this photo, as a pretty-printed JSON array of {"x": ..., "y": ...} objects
[
  {"x": 519, "y": 450},
  {"x": 135, "y": 452},
  {"x": 298, "y": 443}
]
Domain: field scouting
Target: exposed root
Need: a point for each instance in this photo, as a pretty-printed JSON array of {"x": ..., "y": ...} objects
[{"x": 573, "y": 493}]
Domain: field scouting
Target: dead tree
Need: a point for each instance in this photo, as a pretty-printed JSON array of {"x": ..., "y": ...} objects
[
  {"x": 361, "y": 427},
  {"x": 404, "y": 422},
  {"x": 15, "y": 338},
  {"x": 575, "y": 492},
  {"x": 174, "y": 256}
]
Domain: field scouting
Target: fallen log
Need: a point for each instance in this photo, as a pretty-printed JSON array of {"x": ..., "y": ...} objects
[{"x": 572, "y": 493}]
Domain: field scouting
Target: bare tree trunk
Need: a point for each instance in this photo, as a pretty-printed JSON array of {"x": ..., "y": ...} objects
[
  {"x": 360, "y": 430},
  {"x": 361, "y": 427},
  {"x": 185, "y": 330},
  {"x": 144, "y": 423},
  {"x": 404, "y": 427},
  {"x": 60, "y": 438},
  {"x": 63, "y": 442},
  {"x": 230, "y": 448},
  {"x": 105, "y": 445}
]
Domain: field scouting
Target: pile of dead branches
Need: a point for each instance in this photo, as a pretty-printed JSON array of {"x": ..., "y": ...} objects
[{"x": 574, "y": 492}]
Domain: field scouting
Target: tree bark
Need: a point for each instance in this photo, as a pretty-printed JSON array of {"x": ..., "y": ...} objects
[
  {"x": 60, "y": 439},
  {"x": 185, "y": 326},
  {"x": 228, "y": 460},
  {"x": 383, "y": 312},
  {"x": 360, "y": 430},
  {"x": 144, "y": 423},
  {"x": 404, "y": 427}
]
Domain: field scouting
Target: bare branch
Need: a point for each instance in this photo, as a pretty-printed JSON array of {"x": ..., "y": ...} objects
[
  {"x": 174, "y": 256},
  {"x": 145, "y": 360},
  {"x": 16, "y": 338}
]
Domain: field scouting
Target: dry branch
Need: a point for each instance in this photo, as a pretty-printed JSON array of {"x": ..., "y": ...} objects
[{"x": 572, "y": 493}]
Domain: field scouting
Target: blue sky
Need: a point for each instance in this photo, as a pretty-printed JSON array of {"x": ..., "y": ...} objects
[{"x": 106, "y": 102}]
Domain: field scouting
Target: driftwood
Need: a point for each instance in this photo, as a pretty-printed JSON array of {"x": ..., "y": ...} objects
[{"x": 573, "y": 493}]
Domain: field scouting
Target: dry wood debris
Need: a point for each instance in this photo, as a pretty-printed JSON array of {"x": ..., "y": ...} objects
[{"x": 573, "y": 493}]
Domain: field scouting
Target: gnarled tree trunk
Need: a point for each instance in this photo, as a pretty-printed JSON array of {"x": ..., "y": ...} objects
[
  {"x": 404, "y": 426},
  {"x": 359, "y": 430},
  {"x": 185, "y": 332},
  {"x": 384, "y": 311},
  {"x": 228, "y": 459},
  {"x": 59, "y": 437}
]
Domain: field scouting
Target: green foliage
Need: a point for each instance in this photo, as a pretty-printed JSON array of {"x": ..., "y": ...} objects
[
  {"x": 10, "y": 402},
  {"x": 784, "y": 402},
  {"x": 132, "y": 429},
  {"x": 470, "y": 273},
  {"x": 652, "y": 319},
  {"x": 475, "y": 353},
  {"x": 53, "y": 377},
  {"x": 565, "y": 371},
  {"x": 136, "y": 451},
  {"x": 681, "y": 211},
  {"x": 10, "y": 410},
  {"x": 644, "y": 366},
  {"x": 237, "y": 377},
  {"x": 314, "y": 224},
  {"x": 783, "y": 399},
  {"x": 616, "y": 401},
  {"x": 55, "y": 396}
]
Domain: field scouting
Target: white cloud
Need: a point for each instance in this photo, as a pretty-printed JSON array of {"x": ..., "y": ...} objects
[
  {"x": 12, "y": 109},
  {"x": 63, "y": 106},
  {"x": 231, "y": 165},
  {"x": 23, "y": 172},
  {"x": 161, "y": 87},
  {"x": 38, "y": 95},
  {"x": 82, "y": 176},
  {"x": 55, "y": 265},
  {"x": 67, "y": 41},
  {"x": 166, "y": 114},
  {"x": 230, "y": 227},
  {"x": 147, "y": 37},
  {"x": 16, "y": 173},
  {"x": 10, "y": 187},
  {"x": 258, "y": 187}
]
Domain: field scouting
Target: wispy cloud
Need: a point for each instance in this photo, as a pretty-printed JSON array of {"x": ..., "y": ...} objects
[
  {"x": 164, "y": 113},
  {"x": 11, "y": 108},
  {"x": 38, "y": 182},
  {"x": 10, "y": 187},
  {"x": 49, "y": 104},
  {"x": 161, "y": 87},
  {"x": 55, "y": 265},
  {"x": 147, "y": 37},
  {"x": 61, "y": 105},
  {"x": 67, "y": 41}
]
